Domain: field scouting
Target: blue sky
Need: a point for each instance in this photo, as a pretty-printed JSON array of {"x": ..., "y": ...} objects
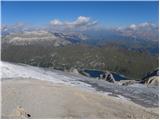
[{"x": 109, "y": 14}]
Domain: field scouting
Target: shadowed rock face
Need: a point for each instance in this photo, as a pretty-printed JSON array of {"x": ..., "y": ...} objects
[{"x": 150, "y": 74}]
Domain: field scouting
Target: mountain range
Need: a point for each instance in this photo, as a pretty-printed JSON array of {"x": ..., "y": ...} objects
[
  {"x": 145, "y": 31},
  {"x": 131, "y": 51},
  {"x": 135, "y": 36}
]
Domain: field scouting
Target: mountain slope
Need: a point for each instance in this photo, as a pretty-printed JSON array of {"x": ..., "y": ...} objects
[
  {"x": 133, "y": 64},
  {"x": 14, "y": 71},
  {"x": 138, "y": 93},
  {"x": 44, "y": 38}
]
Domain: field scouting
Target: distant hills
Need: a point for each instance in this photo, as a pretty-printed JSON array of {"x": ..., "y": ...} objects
[
  {"x": 136, "y": 36},
  {"x": 145, "y": 31}
]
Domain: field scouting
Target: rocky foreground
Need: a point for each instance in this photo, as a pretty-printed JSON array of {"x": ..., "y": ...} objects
[{"x": 28, "y": 98}]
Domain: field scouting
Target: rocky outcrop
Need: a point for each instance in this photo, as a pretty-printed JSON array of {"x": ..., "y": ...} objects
[
  {"x": 154, "y": 80},
  {"x": 19, "y": 113},
  {"x": 151, "y": 78},
  {"x": 74, "y": 70},
  {"x": 40, "y": 37},
  {"x": 107, "y": 76},
  {"x": 128, "y": 82}
]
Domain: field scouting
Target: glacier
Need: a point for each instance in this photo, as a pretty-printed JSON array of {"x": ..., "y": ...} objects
[
  {"x": 12, "y": 71},
  {"x": 140, "y": 94}
]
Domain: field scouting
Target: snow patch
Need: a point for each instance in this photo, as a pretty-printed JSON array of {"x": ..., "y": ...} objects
[{"x": 11, "y": 71}]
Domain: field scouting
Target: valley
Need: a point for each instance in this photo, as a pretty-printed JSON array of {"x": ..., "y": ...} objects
[
  {"x": 133, "y": 64},
  {"x": 79, "y": 60}
]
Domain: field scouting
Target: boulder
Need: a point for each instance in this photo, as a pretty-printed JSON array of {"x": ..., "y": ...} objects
[
  {"x": 109, "y": 77},
  {"x": 151, "y": 78},
  {"x": 74, "y": 70},
  {"x": 154, "y": 80},
  {"x": 128, "y": 82}
]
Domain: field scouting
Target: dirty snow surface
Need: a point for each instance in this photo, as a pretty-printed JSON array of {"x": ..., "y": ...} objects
[{"x": 138, "y": 93}]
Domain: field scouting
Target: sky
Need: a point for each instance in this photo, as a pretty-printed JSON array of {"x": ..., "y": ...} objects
[{"x": 73, "y": 14}]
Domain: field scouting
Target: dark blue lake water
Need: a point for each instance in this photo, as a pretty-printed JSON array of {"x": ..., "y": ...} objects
[{"x": 97, "y": 73}]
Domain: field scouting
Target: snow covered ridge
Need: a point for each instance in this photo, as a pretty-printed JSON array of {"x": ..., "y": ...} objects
[{"x": 11, "y": 71}]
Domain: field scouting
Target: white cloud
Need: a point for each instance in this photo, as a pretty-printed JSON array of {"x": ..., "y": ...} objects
[
  {"x": 133, "y": 26},
  {"x": 56, "y": 22},
  {"x": 81, "y": 22}
]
